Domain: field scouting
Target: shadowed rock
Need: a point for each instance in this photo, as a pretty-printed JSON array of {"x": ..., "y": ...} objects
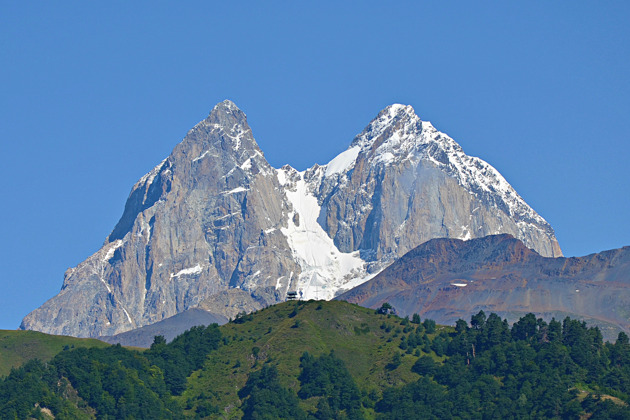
[{"x": 448, "y": 279}]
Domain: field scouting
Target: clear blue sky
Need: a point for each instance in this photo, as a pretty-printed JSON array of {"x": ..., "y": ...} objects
[{"x": 94, "y": 94}]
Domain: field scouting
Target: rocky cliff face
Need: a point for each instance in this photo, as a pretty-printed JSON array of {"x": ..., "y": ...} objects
[
  {"x": 447, "y": 279},
  {"x": 402, "y": 182},
  {"x": 215, "y": 226},
  {"x": 205, "y": 220}
]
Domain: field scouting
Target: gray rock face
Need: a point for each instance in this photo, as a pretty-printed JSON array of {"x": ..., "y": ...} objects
[
  {"x": 214, "y": 226},
  {"x": 410, "y": 183},
  {"x": 204, "y": 220}
]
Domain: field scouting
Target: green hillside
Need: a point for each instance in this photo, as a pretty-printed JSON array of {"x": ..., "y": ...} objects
[
  {"x": 18, "y": 347},
  {"x": 280, "y": 334},
  {"x": 334, "y": 360}
]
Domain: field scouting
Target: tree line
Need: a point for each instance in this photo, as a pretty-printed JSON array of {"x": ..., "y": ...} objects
[{"x": 480, "y": 369}]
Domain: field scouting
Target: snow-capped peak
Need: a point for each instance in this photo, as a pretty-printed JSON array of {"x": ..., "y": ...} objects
[
  {"x": 227, "y": 105},
  {"x": 395, "y": 109},
  {"x": 397, "y": 134}
]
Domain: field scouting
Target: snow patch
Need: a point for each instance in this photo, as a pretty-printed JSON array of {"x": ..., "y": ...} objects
[
  {"x": 110, "y": 252},
  {"x": 227, "y": 215},
  {"x": 203, "y": 155},
  {"x": 459, "y": 284},
  {"x": 247, "y": 165},
  {"x": 278, "y": 285},
  {"x": 385, "y": 158},
  {"x": 188, "y": 271},
  {"x": 282, "y": 176},
  {"x": 150, "y": 176},
  {"x": 236, "y": 133},
  {"x": 343, "y": 161},
  {"x": 109, "y": 290},
  {"x": 325, "y": 269},
  {"x": 235, "y": 190},
  {"x": 103, "y": 263},
  {"x": 128, "y": 317},
  {"x": 357, "y": 281},
  {"x": 465, "y": 235}
]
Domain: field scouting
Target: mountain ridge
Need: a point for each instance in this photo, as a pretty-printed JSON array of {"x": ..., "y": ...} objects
[
  {"x": 215, "y": 226},
  {"x": 447, "y": 279}
]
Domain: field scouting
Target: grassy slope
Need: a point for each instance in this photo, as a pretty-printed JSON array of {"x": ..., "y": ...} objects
[
  {"x": 18, "y": 347},
  {"x": 353, "y": 332}
]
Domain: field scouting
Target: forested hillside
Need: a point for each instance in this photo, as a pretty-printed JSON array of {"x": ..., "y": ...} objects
[
  {"x": 334, "y": 360},
  {"x": 18, "y": 347}
]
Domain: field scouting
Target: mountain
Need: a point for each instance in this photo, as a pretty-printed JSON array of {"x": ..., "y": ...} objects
[
  {"x": 204, "y": 221},
  {"x": 448, "y": 279},
  {"x": 168, "y": 328},
  {"x": 214, "y": 226}
]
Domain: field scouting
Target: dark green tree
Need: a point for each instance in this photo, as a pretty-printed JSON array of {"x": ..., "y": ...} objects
[
  {"x": 425, "y": 365},
  {"x": 477, "y": 321},
  {"x": 265, "y": 398},
  {"x": 525, "y": 328},
  {"x": 328, "y": 377},
  {"x": 385, "y": 309},
  {"x": 461, "y": 326},
  {"x": 429, "y": 326}
]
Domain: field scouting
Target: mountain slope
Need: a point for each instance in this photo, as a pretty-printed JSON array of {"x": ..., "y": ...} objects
[
  {"x": 280, "y": 334},
  {"x": 448, "y": 279},
  {"x": 214, "y": 226},
  {"x": 316, "y": 359},
  {"x": 168, "y": 328},
  {"x": 204, "y": 220},
  {"x": 400, "y": 183},
  {"x": 18, "y": 347}
]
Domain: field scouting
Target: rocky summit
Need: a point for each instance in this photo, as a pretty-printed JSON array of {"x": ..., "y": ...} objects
[{"x": 215, "y": 227}]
